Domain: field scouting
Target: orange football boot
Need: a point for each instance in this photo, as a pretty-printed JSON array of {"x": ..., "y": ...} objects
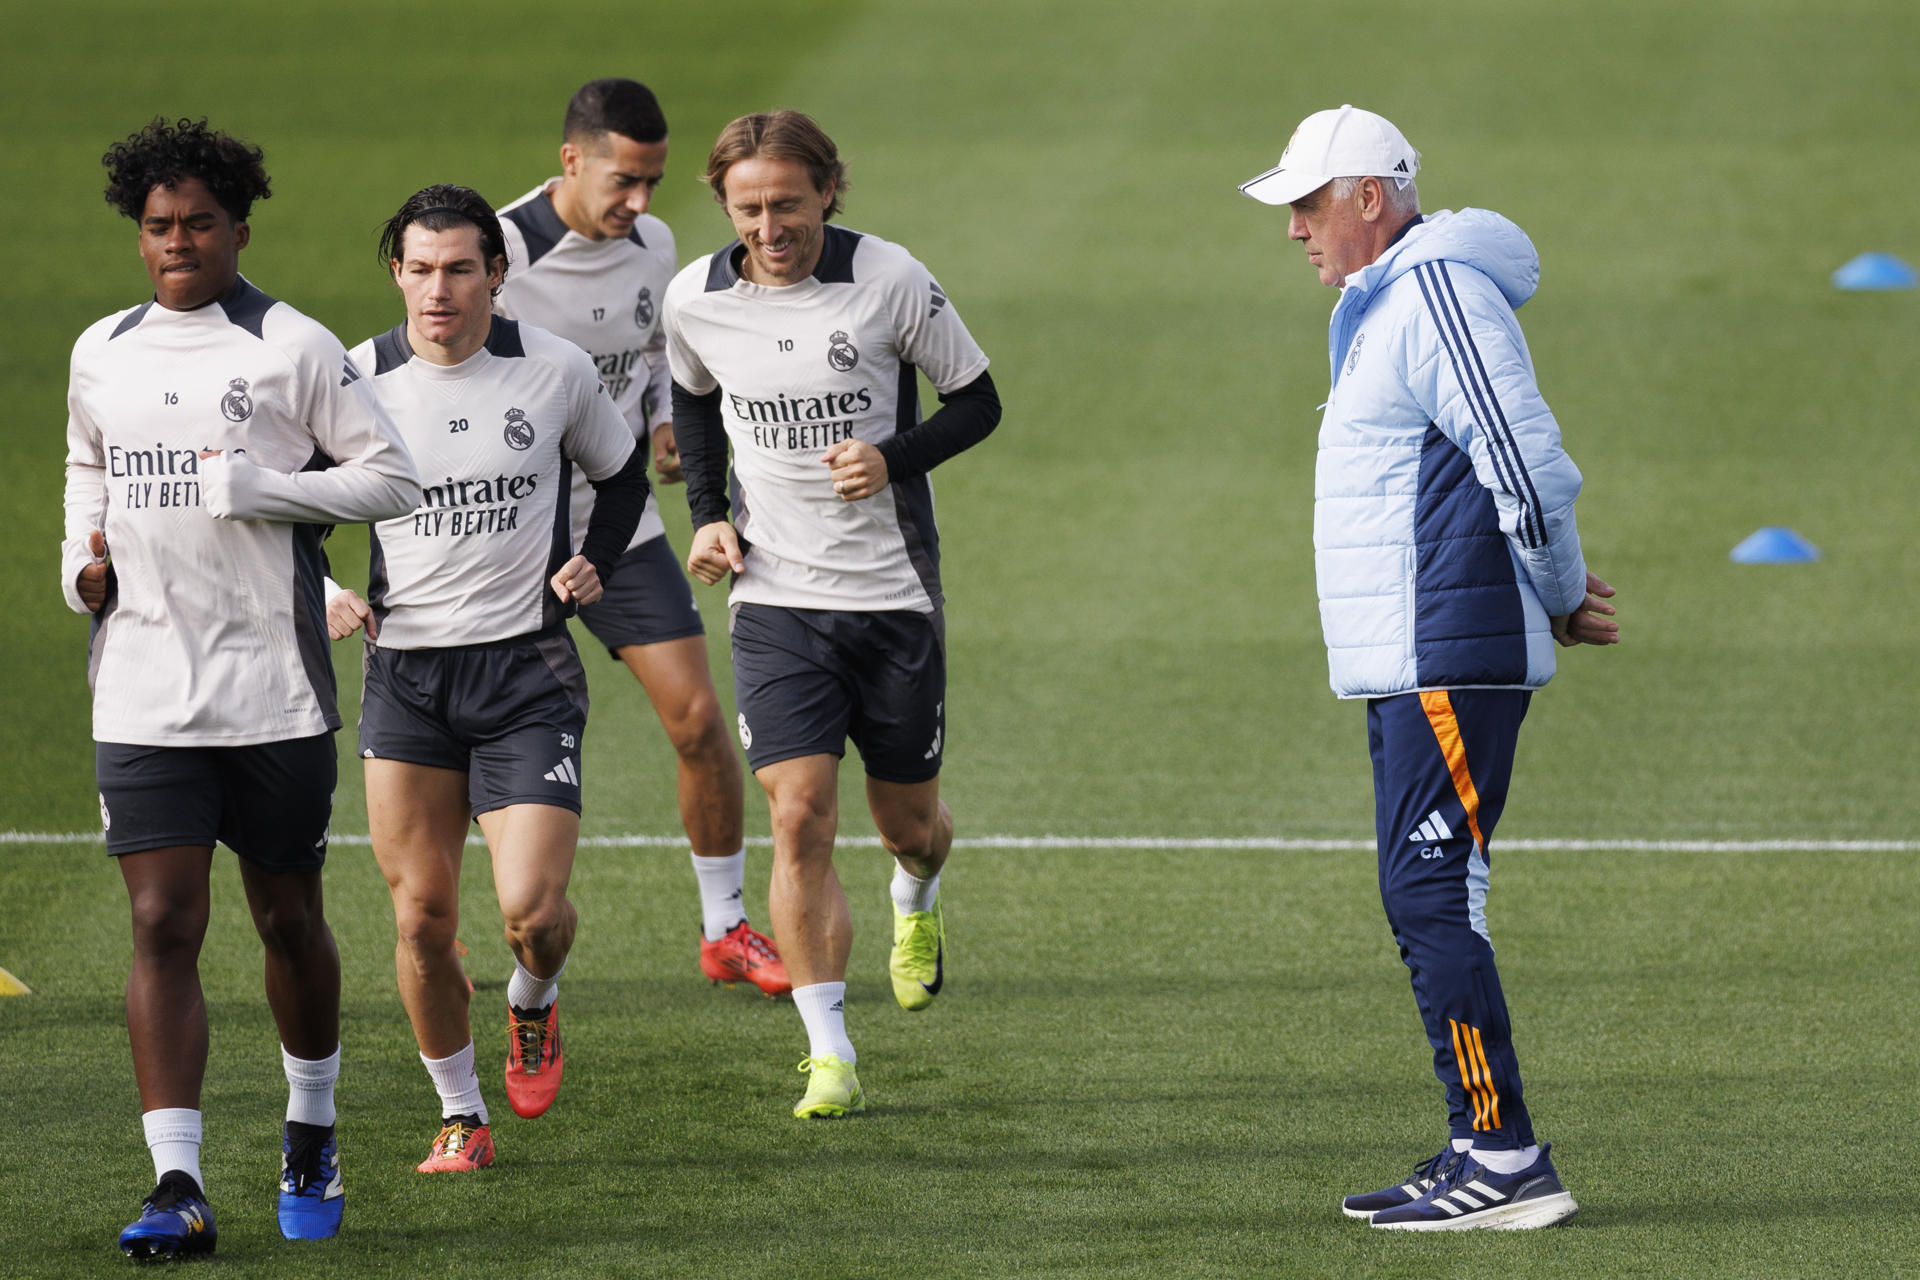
[
  {"x": 745, "y": 956},
  {"x": 464, "y": 1145},
  {"x": 534, "y": 1059}
]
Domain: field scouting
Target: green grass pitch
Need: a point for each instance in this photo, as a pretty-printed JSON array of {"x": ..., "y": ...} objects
[{"x": 1149, "y": 1062}]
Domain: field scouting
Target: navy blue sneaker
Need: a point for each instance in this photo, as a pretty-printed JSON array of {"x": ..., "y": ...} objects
[
  {"x": 311, "y": 1196},
  {"x": 174, "y": 1221},
  {"x": 1425, "y": 1174},
  {"x": 1469, "y": 1195}
]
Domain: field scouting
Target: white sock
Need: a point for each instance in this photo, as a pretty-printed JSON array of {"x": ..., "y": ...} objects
[
  {"x": 310, "y": 1086},
  {"x": 1462, "y": 1144},
  {"x": 1506, "y": 1161},
  {"x": 458, "y": 1086},
  {"x": 823, "y": 1008},
  {"x": 528, "y": 993},
  {"x": 173, "y": 1136},
  {"x": 720, "y": 880},
  {"x": 911, "y": 893}
]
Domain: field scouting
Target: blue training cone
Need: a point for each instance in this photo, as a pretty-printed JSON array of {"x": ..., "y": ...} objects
[
  {"x": 1875, "y": 271},
  {"x": 1775, "y": 544}
]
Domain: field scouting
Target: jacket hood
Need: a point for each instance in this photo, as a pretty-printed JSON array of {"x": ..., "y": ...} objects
[{"x": 1478, "y": 238}]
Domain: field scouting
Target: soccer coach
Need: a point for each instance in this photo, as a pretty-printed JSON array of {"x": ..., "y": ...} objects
[{"x": 1449, "y": 565}]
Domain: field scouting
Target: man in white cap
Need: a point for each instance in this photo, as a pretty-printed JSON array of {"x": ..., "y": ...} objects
[{"x": 1449, "y": 566}]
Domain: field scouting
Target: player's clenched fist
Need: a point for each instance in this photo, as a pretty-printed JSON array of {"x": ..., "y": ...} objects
[
  {"x": 92, "y": 579},
  {"x": 578, "y": 581},
  {"x": 859, "y": 470},
  {"x": 715, "y": 552},
  {"x": 347, "y": 613},
  {"x": 666, "y": 455}
]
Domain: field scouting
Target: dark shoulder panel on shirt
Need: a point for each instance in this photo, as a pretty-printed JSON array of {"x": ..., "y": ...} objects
[
  {"x": 503, "y": 339},
  {"x": 836, "y": 256},
  {"x": 721, "y": 273},
  {"x": 246, "y": 306},
  {"x": 391, "y": 350},
  {"x": 539, "y": 224},
  {"x": 131, "y": 319}
]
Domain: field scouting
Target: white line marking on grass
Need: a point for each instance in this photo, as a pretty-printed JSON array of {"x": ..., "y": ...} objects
[{"x": 1255, "y": 843}]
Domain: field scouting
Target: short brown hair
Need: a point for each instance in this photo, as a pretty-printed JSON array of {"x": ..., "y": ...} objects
[{"x": 778, "y": 135}]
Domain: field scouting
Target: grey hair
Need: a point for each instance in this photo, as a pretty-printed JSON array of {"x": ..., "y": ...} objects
[{"x": 1403, "y": 197}]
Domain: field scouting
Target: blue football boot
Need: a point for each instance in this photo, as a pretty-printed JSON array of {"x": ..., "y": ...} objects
[
  {"x": 175, "y": 1221},
  {"x": 311, "y": 1195}
]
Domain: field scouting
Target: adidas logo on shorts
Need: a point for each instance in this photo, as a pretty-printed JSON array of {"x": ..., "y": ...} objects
[{"x": 564, "y": 772}]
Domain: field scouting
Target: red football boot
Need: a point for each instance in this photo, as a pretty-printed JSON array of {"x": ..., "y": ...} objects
[
  {"x": 745, "y": 956},
  {"x": 464, "y": 1145},
  {"x": 534, "y": 1059}
]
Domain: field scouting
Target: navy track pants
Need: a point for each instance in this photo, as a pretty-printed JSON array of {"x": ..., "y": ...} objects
[{"x": 1442, "y": 762}]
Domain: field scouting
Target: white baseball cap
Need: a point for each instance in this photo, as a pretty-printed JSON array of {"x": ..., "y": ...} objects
[{"x": 1348, "y": 143}]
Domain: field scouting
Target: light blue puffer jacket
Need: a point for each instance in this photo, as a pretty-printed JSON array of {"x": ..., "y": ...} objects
[{"x": 1443, "y": 526}]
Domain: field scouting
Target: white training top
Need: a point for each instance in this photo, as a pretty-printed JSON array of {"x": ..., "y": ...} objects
[
  {"x": 497, "y": 438},
  {"x": 216, "y": 632},
  {"x": 805, "y": 366},
  {"x": 604, "y": 296}
]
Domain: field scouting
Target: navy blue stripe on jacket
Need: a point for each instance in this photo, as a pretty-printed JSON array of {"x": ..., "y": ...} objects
[{"x": 1470, "y": 370}]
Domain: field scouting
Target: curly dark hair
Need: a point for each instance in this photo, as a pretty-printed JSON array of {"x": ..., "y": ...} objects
[{"x": 163, "y": 153}]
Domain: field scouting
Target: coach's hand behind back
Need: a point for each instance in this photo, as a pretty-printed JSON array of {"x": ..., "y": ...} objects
[{"x": 1592, "y": 622}]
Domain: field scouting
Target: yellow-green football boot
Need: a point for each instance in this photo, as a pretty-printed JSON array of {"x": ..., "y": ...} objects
[
  {"x": 832, "y": 1089},
  {"x": 918, "y": 964}
]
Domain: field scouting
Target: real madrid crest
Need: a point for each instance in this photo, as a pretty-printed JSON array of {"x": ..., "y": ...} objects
[
  {"x": 643, "y": 309},
  {"x": 237, "y": 405},
  {"x": 518, "y": 432},
  {"x": 841, "y": 354}
]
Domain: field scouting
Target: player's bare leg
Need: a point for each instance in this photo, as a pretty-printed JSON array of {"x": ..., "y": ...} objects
[
  {"x": 302, "y": 964},
  {"x": 533, "y": 850},
  {"x": 808, "y": 907},
  {"x": 167, "y": 1015},
  {"x": 917, "y": 829},
  {"x": 166, "y": 1011},
  {"x": 810, "y": 915},
  {"x": 914, "y": 823},
  {"x": 674, "y": 674},
  {"x": 417, "y": 816},
  {"x": 303, "y": 990}
]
